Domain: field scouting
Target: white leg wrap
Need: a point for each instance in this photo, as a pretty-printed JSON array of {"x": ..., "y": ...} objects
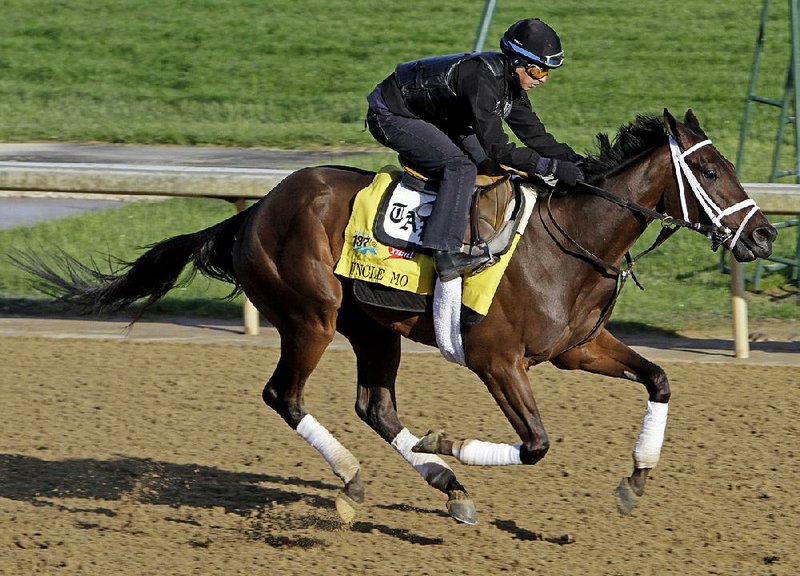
[
  {"x": 648, "y": 446},
  {"x": 435, "y": 470},
  {"x": 478, "y": 453},
  {"x": 343, "y": 463}
]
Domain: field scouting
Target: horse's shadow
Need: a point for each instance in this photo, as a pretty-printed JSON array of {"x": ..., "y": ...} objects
[
  {"x": 145, "y": 481},
  {"x": 30, "y": 479}
]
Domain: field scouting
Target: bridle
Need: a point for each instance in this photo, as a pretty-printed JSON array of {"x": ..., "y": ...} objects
[
  {"x": 714, "y": 212},
  {"x": 716, "y": 231}
]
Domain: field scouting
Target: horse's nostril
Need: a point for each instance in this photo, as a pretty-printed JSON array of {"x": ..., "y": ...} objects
[{"x": 764, "y": 234}]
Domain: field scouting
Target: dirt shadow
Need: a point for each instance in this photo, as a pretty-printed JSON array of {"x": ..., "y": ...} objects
[
  {"x": 30, "y": 479},
  {"x": 256, "y": 498},
  {"x": 524, "y": 534}
]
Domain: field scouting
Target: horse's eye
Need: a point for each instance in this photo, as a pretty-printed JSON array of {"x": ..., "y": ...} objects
[{"x": 710, "y": 173}]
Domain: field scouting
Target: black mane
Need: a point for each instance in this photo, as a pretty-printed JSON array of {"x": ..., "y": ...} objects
[{"x": 641, "y": 135}]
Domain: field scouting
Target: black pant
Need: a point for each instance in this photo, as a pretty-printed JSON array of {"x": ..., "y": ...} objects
[{"x": 452, "y": 158}]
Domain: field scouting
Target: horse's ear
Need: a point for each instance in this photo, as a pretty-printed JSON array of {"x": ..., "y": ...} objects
[
  {"x": 691, "y": 120},
  {"x": 671, "y": 125}
]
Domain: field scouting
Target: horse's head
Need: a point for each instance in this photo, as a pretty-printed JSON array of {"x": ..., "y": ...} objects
[{"x": 707, "y": 191}]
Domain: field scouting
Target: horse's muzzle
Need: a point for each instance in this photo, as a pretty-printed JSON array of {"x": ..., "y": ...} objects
[{"x": 758, "y": 244}]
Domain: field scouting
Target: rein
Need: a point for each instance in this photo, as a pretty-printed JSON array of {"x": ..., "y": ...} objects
[{"x": 669, "y": 226}]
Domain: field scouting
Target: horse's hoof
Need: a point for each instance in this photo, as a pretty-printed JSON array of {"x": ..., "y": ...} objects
[
  {"x": 355, "y": 489},
  {"x": 346, "y": 508},
  {"x": 626, "y": 498},
  {"x": 461, "y": 507},
  {"x": 430, "y": 443}
]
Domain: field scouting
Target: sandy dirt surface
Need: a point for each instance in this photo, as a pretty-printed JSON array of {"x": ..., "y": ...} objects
[{"x": 123, "y": 457}]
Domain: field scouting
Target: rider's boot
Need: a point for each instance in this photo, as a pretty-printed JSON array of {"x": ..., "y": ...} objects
[{"x": 451, "y": 265}]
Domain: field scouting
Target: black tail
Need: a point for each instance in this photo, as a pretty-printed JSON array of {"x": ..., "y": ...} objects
[{"x": 151, "y": 276}]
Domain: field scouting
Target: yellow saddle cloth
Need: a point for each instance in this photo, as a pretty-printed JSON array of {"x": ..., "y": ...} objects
[{"x": 364, "y": 258}]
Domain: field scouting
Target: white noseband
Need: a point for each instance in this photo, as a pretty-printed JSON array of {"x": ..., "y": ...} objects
[{"x": 714, "y": 212}]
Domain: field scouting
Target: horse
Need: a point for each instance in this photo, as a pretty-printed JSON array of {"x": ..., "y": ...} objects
[{"x": 552, "y": 304}]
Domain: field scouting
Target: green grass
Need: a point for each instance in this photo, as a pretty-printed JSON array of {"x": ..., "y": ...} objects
[
  {"x": 685, "y": 288},
  {"x": 123, "y": 233},
  {"x": 294, "y": 74}
]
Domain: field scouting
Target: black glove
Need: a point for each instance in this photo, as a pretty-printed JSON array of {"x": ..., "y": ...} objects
[{"x": 567, "y": 173}]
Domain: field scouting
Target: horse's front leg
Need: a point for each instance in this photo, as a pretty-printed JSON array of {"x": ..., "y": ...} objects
[
  {"x": 608, "y": 356},
  {"x": 507, "y": 381}
]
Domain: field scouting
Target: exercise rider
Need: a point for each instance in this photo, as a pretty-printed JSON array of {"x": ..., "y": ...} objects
[{"x": 443, "y": 115}]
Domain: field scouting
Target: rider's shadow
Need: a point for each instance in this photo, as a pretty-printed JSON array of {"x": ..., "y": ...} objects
[{"x": 30, "y": 479}]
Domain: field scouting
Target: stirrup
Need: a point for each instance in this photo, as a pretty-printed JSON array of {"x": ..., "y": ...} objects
[
  {"x": 483, "y": 250},
  {"x": 451, "y": 265},
  {"x": 488, "y": 264}
]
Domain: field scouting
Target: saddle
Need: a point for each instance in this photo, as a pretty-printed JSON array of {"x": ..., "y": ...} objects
[{"x": 496, "y": 206}]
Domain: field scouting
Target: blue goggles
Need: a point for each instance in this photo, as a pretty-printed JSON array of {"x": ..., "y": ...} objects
[{"x": 551, "y": 61}]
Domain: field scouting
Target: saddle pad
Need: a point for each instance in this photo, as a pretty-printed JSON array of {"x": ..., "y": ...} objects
[{"x": 365, "y": 258}]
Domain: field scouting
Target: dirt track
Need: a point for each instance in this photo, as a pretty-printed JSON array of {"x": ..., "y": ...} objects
[{"x": 143, "y": 458}]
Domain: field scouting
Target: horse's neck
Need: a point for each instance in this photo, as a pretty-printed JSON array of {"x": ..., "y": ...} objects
[{"x": 616, "y": 229}]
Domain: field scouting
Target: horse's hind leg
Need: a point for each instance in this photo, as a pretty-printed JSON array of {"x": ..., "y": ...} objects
[
  {"x": 377, "y": 352},
  {"x": 608, "y": 356},
  {"x": 301, "y": 350},
  {"x": 284, "y": 262},
  {"x": 283, "y": 393}
]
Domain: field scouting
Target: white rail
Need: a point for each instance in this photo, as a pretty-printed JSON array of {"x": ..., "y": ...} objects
[{"x": 138, "y": 179}]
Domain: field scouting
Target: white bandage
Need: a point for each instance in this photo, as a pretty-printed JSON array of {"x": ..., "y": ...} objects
[
  {"x": 435, "y": 470},
  {"x": 647, "y": 449},
  {"x": 478, "y": 453},
  {"x": 343, "y": 463}
]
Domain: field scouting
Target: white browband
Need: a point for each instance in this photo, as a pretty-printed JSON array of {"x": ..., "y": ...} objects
[{"x": 714, "y": 212}]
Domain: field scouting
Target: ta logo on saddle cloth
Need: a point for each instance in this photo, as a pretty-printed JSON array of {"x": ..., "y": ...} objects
[
  {"x": 402, "y": 216},
  {"x": 383, "y": 237}
]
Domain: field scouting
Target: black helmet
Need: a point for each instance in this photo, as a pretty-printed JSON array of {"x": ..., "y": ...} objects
[{"x": 531, "y": 41}]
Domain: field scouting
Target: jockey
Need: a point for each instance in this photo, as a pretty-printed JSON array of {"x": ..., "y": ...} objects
[{"x": 444, "y": 115}]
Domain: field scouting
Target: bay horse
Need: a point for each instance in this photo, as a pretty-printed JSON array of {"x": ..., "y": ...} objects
[{"x": 551, "y": 305}]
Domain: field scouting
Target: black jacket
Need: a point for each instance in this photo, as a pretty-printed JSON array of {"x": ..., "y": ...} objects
[{"x": 472, "y": 93}]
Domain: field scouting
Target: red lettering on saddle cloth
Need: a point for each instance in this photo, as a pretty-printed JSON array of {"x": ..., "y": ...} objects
[{"x": 398, "y": 253}]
